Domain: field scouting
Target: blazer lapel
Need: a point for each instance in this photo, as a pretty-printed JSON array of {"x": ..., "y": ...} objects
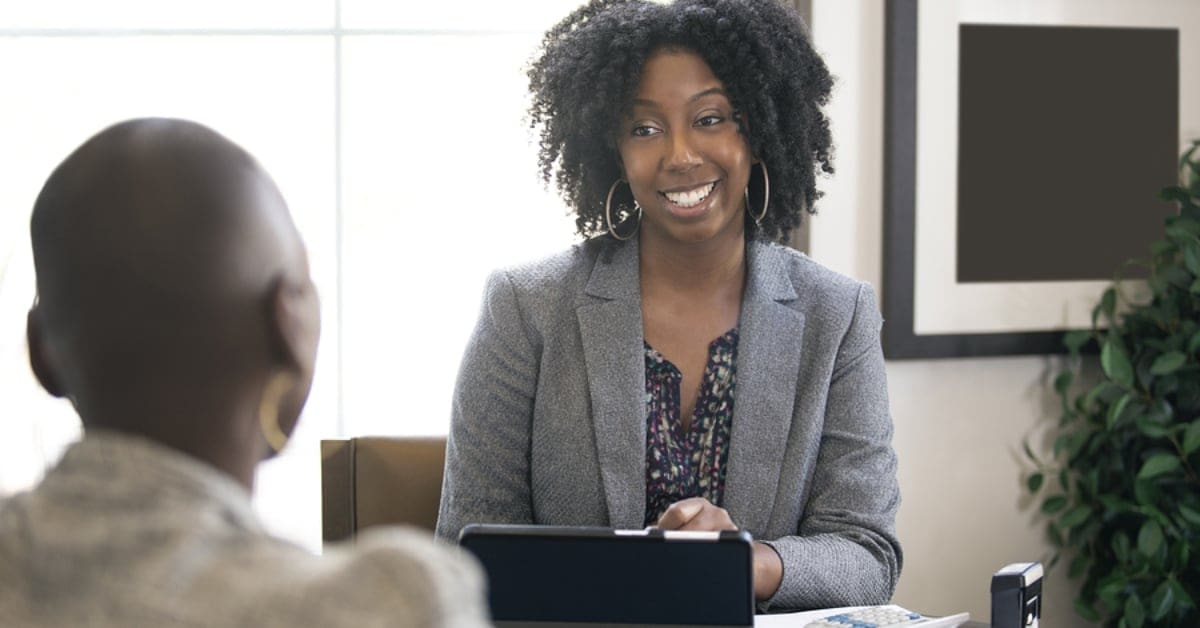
[
  {"x": 768, "y": 362},
  {"x": 610, "y": 322}
]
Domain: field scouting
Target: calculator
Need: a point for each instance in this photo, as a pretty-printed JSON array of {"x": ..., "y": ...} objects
[{"x": 886, "y": 617}]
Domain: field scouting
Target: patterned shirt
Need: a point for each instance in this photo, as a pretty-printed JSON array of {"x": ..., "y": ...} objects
[
  {"x": 126, "y": 532},
  {"x": 681, "y": 465}
]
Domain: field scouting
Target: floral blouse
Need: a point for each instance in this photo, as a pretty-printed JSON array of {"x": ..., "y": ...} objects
[{"x": 681, "y": 465}]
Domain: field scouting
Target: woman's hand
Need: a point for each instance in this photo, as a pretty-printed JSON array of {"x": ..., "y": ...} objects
[{"x": 697, "y": 513}]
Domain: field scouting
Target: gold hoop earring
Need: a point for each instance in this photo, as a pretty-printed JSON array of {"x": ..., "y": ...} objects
[
  {"x": 608, "y": 211},
  {"x": 766, "y": 195},
  {"x": 268, "y": 409}
]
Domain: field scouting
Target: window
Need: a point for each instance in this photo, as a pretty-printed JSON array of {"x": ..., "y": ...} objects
[{"x": 397, "y": 134}]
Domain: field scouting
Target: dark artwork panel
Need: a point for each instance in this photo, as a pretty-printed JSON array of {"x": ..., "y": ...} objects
[{"x": 1066, "y": 135}]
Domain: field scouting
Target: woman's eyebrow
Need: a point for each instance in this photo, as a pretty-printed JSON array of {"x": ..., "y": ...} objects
[
  {"x": 645, "y": 102},
  {"x": 708, "y": 92}
]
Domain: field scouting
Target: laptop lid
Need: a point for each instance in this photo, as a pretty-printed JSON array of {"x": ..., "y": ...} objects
[{"x": 615, "y": 577}]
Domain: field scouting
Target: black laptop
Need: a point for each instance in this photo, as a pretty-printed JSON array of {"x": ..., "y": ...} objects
[{"x": 583, "y": 577}]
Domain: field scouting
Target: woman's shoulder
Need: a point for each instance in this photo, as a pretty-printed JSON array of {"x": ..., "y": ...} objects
[
  {"x": 563, "y": 272},
  {"x": 808, "y": 277}
]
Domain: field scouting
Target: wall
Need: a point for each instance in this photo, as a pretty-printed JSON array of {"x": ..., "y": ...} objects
[{"x": 959, "y": 423}]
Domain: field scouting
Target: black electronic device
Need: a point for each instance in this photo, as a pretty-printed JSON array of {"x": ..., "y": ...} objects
[
  {"x": 1017, "y": 596},
  {"x": 545, "y": 575}
]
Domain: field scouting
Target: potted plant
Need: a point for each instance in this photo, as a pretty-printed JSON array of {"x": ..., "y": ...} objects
[{"x": 1121, "y": 488}]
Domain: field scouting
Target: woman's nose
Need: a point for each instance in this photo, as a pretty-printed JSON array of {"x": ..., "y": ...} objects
[{"x": 682, "y": 153}]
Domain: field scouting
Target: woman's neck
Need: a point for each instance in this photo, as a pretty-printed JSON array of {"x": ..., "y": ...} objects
[{"x": 711, "y": 268}]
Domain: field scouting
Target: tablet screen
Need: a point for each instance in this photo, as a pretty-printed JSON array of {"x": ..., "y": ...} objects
[{"x": 597, "y": 575}]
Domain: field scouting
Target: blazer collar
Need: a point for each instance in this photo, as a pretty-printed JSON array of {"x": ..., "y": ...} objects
[
  {"x": 616, "y": 277},
  {"x": 770, "y": 337},
  {"x": 610, "y": 324}
]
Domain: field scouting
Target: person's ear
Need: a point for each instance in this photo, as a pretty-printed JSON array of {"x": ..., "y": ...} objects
[
  {"x": 296, "y": 323},
  {"x": 40, "y": 359}
]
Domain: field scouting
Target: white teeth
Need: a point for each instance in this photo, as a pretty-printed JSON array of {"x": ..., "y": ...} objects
[{"x": 691, "y": 198}]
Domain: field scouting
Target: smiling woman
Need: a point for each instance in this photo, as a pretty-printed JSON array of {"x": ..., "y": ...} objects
[{"x": 599, "y": 386}]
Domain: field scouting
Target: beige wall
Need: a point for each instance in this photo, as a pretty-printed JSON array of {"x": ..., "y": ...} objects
[{"x": 959, "y": 423}]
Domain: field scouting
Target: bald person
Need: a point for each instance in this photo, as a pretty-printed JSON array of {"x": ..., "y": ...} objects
[{"x": 176, "y": 312}]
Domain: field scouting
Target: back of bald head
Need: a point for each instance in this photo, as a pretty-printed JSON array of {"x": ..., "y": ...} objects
[{"x": 155, "y": 243}]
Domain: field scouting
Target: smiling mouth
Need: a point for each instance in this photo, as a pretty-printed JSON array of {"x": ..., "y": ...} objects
[{"x": 690, "y": 198}]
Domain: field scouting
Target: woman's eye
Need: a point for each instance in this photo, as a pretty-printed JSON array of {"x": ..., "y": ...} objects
[
  {"x": 643, "y": 131},
  {"x": 710, "y": 121}
]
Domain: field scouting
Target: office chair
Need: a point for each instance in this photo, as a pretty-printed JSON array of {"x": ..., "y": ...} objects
[{"x": 376, "y": 480}]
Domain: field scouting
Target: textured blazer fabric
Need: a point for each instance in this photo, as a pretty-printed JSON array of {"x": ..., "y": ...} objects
[{"x": 549, "y": 415}]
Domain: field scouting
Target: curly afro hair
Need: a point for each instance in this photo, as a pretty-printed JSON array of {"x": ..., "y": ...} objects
[{"x": 589, "y": 65}]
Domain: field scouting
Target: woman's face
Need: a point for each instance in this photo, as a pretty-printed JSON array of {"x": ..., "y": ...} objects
[{"x": 683, "y": 155}]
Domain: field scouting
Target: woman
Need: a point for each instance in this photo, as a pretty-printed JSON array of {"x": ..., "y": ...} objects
[
  {"x": 677, "y": 368},
  {"x": 176, "y": 313}
]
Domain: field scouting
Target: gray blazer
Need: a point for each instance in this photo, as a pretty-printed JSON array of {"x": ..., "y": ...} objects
[{"x": 549, "y": 415}]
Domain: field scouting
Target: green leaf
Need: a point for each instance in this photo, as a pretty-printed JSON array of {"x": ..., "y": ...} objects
[
  {"x": 1146, "y": 492},
  {"x": 1076, "y": 338},
  {"x": 1111, "y": 587},
  {"x": 1194, "y": 343},
  {"x": 1115, "y": 362},
  {"x": 1079, "y": 566},
  {"x": 1157, "y": 465},
  {"x": 1054, "y": 534},
  {"x": 1162, "y": 248},
  {"x": 1182, "y": 599},
  {"x": 1120, "y": 547},
  {"x": 1162, "y": 601},
  {"x": 1062, "y": 383},
  {"x": 1114, "y": 503},
  {"x": 1117, "y": 409},
  {"x": 1106, "y": 306},
  {"x": 1158, "y": 285},
  {"x": 1104, "y": 391},
  {"x": 1035, "y": 482},
  {"x": 1154, "y": 430},
  {"x": 1085, "y": 610},
  {"x": 1075, "y": 517},
  {"x": 1168, "y": 363},
  {"x": 1177, "y": 276},
  {"x": 1029, "y": 451},
  {"x": 1182, "y": 554},
  {"x": 1190, "y": 514},
  {"x": 1185, "y": 160},
  {"x": 1182, "y": 230},
  {"x": 1135, "y": 613},
  {"x": 1158, "y": 515},
  {"x": 1160, "y": 411},
  {"x": 1150, "y": 538},
  {"x": 1191, "y": 438},
  {"x": 1191, "y": 257},
  {"x": 1054, "y": 504}
]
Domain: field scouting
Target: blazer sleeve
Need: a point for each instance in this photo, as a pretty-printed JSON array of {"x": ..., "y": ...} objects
[
  {"x": 845, "y": 551},
  {"x": 487, "y": 452}
]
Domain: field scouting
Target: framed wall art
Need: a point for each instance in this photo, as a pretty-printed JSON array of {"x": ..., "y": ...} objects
[{"x": 1026, "y": 142}]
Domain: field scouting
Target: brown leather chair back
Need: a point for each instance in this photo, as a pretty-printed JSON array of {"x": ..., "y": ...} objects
[{"x": 377, "y": 480}]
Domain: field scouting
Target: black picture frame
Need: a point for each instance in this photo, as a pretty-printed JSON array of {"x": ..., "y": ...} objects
[{"x": 900, "y": 341}]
